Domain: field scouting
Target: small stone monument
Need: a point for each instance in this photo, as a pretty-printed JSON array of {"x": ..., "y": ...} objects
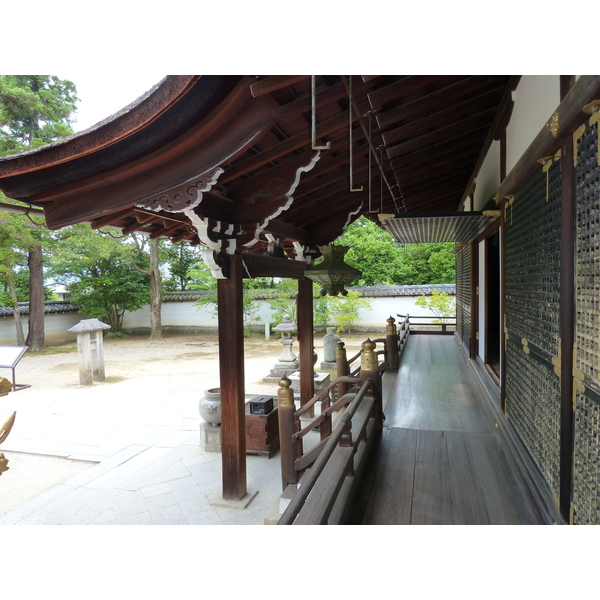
[
  {"x": 90, "y": 348},
  {"x": 288, "y": 362},
  {"x": 329, "y": 348}
]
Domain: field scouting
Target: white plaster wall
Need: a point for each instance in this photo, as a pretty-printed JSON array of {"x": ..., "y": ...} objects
[
  {"x": 488, "y": 178},
  {"x": 185, "y": 314},
  {"x": 56, "y": 328},
  {"x": 536, "y": 99}
]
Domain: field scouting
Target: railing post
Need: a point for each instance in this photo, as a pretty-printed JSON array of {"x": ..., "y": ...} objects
[
  {"x": 342, "y": 367},
  {"x": 286, "y": 409},
  {"x": 369, "y": 370},
  {"x": 391, "y": 343}
]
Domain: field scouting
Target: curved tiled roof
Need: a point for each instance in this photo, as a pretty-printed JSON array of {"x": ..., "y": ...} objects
[
  {"x": 50, "y": 307},
  {"x": 375, "y": 291}
]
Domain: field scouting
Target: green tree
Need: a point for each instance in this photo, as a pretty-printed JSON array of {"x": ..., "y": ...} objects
[
  {"x": 440, "y": 304},
  {"x": 382, "y": 261},
  {"x": 424, "y": 264},
  {"x": 181, "y": 260},
  {"x": 97, "y": 271},
  {"x": 345, "y": 309},
  {"x": 372, "y": 251},
  {"x": 34, "y": 110}
]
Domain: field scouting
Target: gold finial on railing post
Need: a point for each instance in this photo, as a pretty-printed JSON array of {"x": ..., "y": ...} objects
[
  {"x": 286, "y": 408},
  {"x": 391, "y": 343},
  {"x": 368, "y": 358}
]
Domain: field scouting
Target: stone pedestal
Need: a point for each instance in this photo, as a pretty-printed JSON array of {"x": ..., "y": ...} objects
[
  {"x": 210, "y": 437},
  {"x": 322, "y": 380},
  {"x": 90, "y": 348},
  {"x": 282, "y": 369}
]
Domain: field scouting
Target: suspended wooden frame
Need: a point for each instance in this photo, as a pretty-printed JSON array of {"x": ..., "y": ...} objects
[{"x": 442, "y": 227}]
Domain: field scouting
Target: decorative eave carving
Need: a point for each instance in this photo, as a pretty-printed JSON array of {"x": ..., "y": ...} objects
[
  {"x": 269, "y": 195},
  {"x": 264, "y": 197},
  {"x": 185, "y": 196}
]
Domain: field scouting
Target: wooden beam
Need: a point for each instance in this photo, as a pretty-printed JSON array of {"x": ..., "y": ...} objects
[
  {"x": 327, "y": 127},
  {"x": 497, "y": 131},
  {"x": 263, "y": 265},
  {"x": 290, "y": 232},
  {"x": 476, "y": 126},
  {"x": 231, "y": 369},
  {"x": 446, "y": 96},
  {"x": 444, "y": 115},
  {"x": 306, "y": 340},
  {"x": 274, "y": 83},
  {"x": 111, "y": 218}
]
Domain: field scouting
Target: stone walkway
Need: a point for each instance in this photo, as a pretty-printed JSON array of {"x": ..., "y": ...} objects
[
  {"x": 127, "y": 450},
  {"x": 164, "y": 479}
]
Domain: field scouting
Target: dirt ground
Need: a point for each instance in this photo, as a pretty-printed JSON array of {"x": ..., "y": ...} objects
[{"x": 62, "y": 427}]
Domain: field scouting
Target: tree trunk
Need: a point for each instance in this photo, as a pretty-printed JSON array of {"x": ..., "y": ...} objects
[
  {"x": 13, "y": 295},
  {"x": 155, "y": 293},
  {"x": 35, "y": 336}
]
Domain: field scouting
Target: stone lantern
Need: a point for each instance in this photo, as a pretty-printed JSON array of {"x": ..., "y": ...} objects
[
  {"x": 288, "y": 362},
  {"x": 90, "y": 348}
]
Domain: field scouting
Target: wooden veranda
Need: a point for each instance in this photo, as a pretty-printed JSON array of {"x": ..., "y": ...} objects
[
  {"x": 263, "y": 171},
  {"x": 441, "y": 459}
]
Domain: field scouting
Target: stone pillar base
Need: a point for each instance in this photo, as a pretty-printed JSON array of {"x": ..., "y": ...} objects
[
  {"x": 210, "y": 437},
  {"x": 321, "y": 381},
  {"x": 328, "y": 366}
]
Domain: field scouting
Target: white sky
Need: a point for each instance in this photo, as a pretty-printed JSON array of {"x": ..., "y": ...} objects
[{"x": 101, "y": 97}]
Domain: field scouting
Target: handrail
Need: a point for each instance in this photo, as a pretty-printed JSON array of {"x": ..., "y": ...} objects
[
  {"x": 337, "y": 405},
  {"x": 442, "y": 324},
  {"x": 324, "y": 393},
  {"x": 311, "y": 477}
]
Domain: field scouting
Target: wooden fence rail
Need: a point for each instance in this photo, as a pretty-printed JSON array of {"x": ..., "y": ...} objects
[
  {"x": 351, "y": 414},
  {"x": 437, "y": 326}
]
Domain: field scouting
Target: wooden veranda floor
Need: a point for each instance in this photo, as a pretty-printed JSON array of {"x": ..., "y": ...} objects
[{"x": 440, "y": 459}]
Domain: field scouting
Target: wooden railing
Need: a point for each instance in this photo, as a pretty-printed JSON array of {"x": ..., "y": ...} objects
[
  {"x": 435, "y": 326},
  {"x": 327, "y": 474}
]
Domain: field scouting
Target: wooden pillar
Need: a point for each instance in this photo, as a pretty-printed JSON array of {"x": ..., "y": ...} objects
[
  {"x": 231, "y": 370},
  {"x": 567, "y": 326},
  {"x": 306, "y": 339}
]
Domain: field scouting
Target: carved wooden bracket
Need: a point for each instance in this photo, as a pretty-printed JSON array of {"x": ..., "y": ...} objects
[
  {"x": 183, "y": 197},
  {"x": 264, "y": 197},
  {"x": 259, "y": 200}
]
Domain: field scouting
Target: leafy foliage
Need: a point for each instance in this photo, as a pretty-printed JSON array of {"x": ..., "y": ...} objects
[
  {"x": 184, "y": 264},
  {"x": 345, "y": 309},
  {"x": 440, "y": 304},
  {"x": 97, "y": 271},
  {"x": 34, "y": 110},
  {"x": 382, "y": 261}
]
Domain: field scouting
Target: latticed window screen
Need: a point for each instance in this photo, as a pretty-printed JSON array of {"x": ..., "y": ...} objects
[
  {"x": 532, "y": 222},
  {"x": 463, "y": 294},
  {"x": 586, "y": 494}
]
